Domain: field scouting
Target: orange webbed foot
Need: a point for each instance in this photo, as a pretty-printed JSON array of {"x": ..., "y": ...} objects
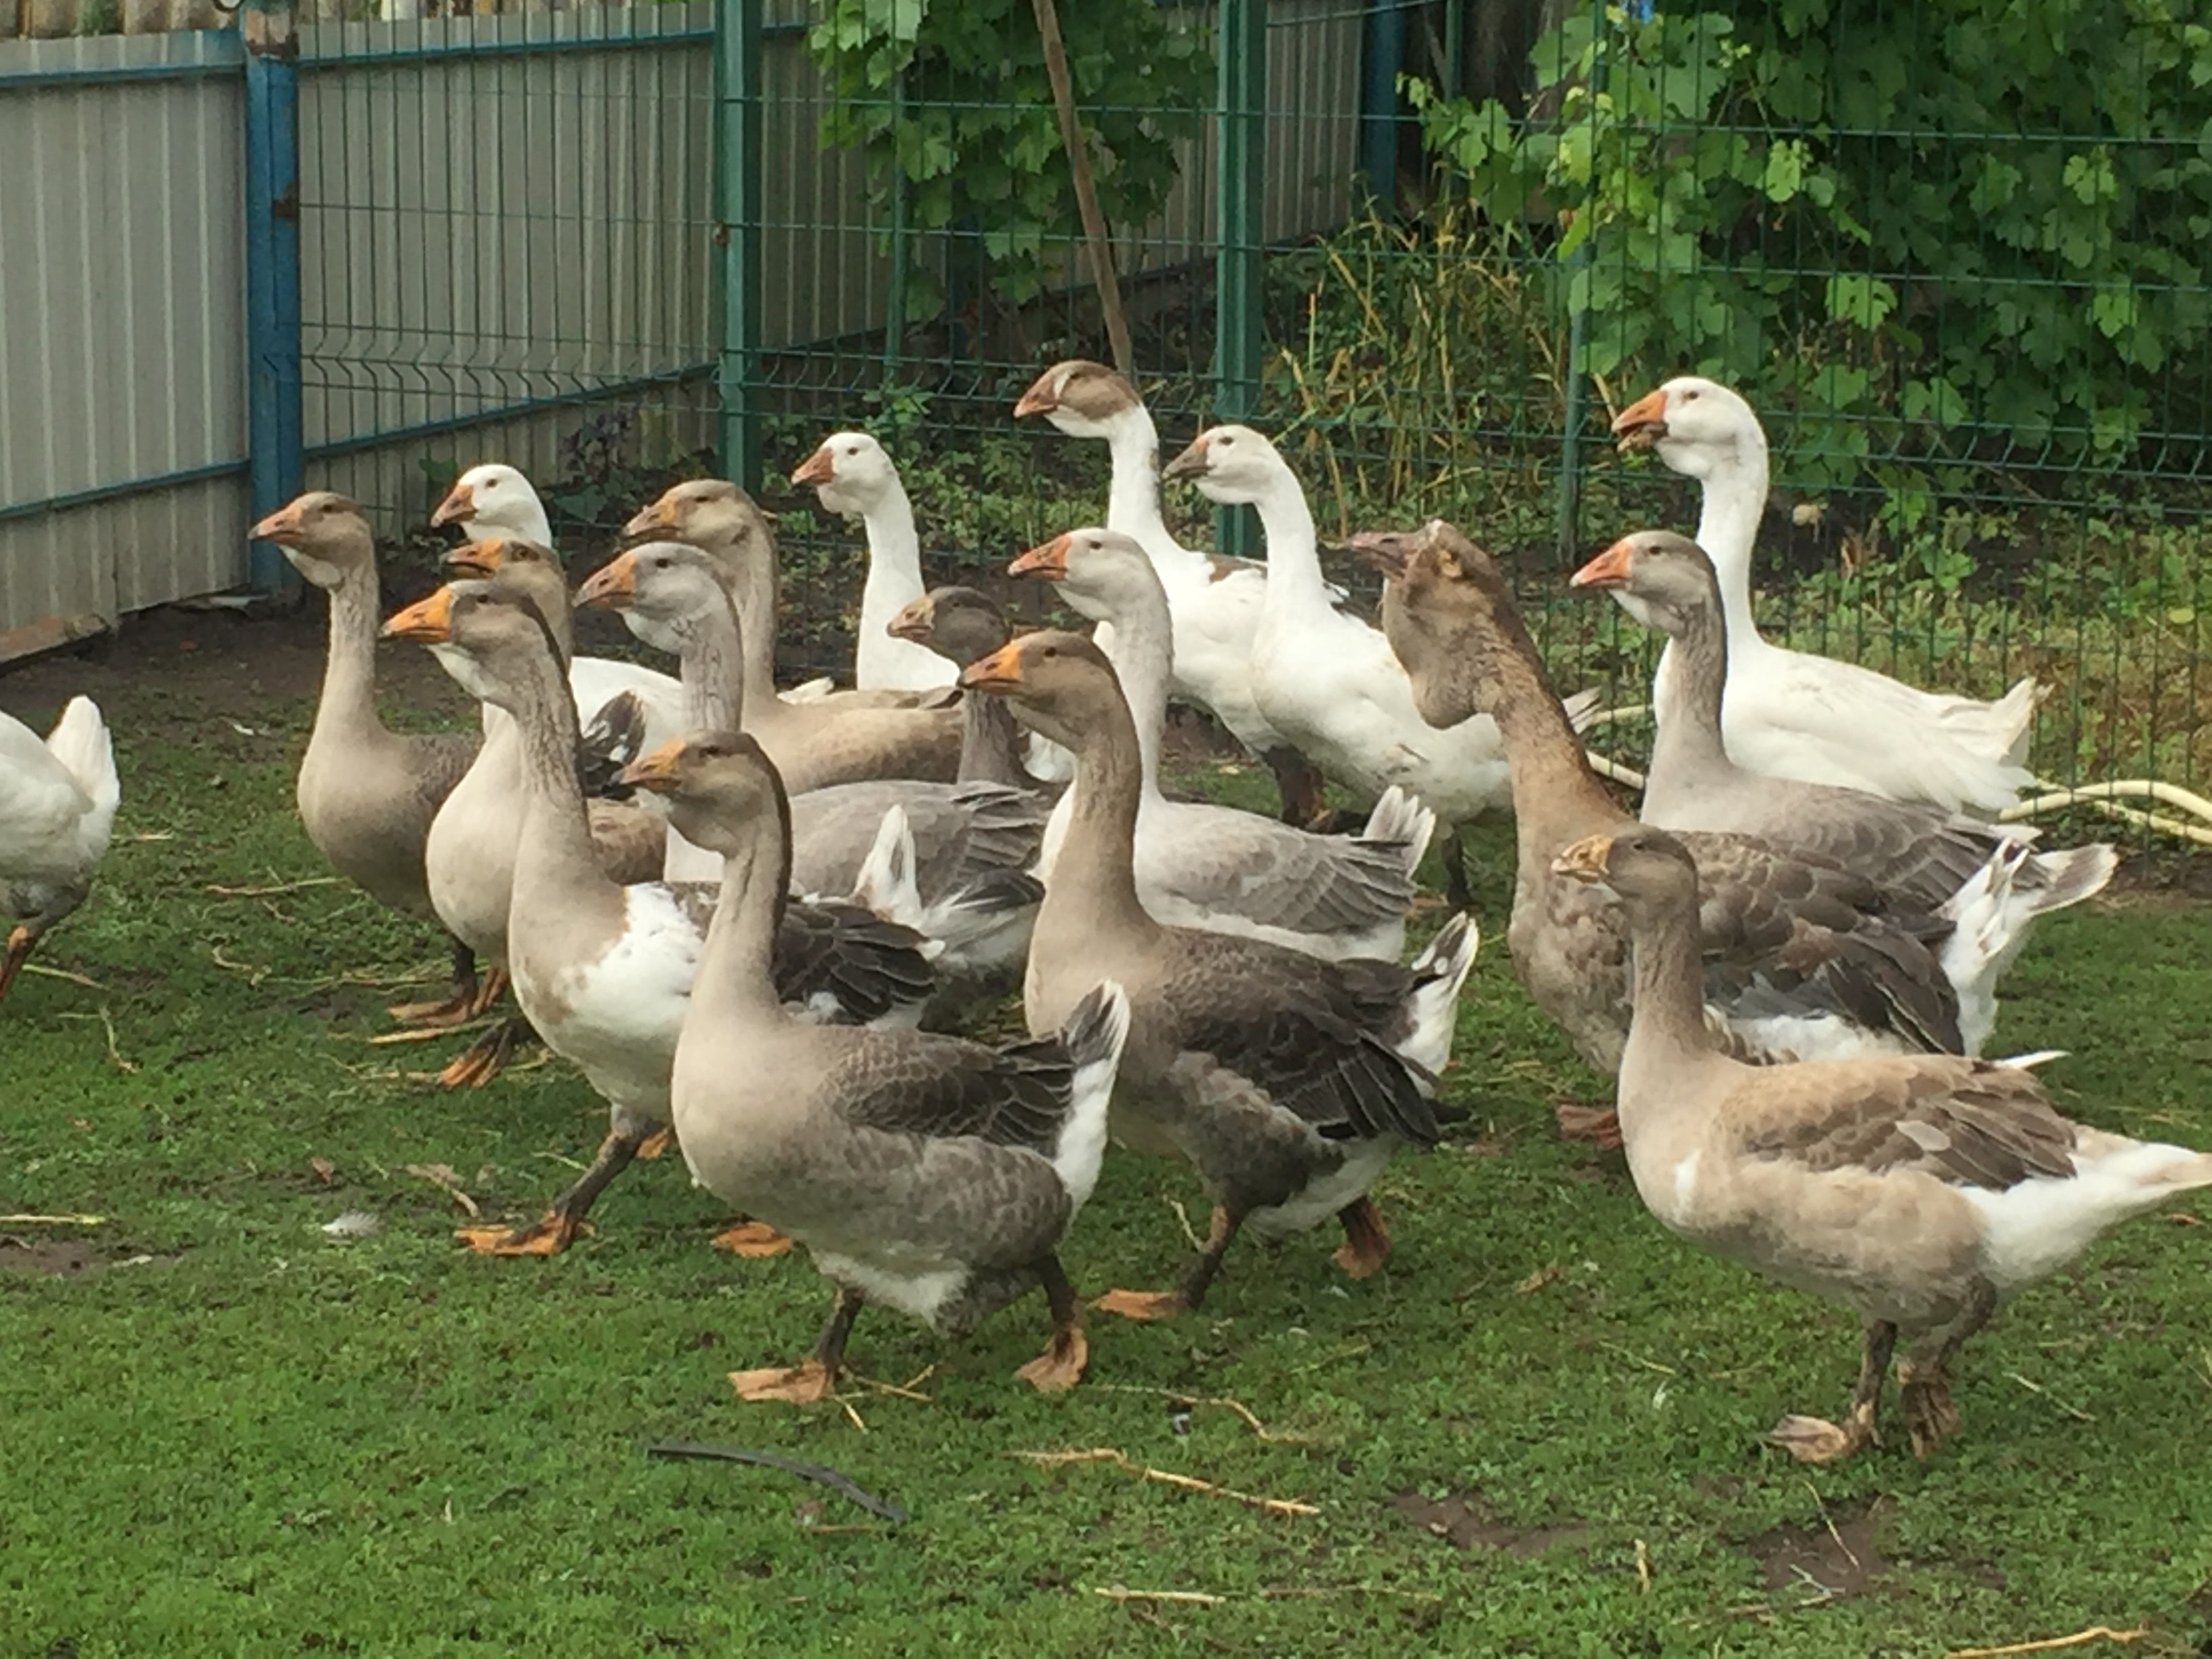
[
  {"x": 752, "y": 1238},
  {"x": 455, "y": 1009},
  {"x": 656, "y": 1143},
  {"x": 802, "y": 1385},
  {"x": 1142, "y": 1304},
  {"x": 1061, "y": 1365},
  {"x": 1366, "y": 1244},
  {"x": 552, "y": 1234}
]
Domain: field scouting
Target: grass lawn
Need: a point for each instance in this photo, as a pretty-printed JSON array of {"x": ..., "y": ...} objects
[{"x": 1536, "y": 1432}]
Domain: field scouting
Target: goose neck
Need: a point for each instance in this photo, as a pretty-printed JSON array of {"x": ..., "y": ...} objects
[
  {"x": 711, "y": 665},
  {"x": 1557, "y": 798},
  {"x": 736, "y": 982},
  {"x": 1689, "y": 744},
  {"x": 1667, "y": 1029},
  {"x": 556, "y": 845},
  {"x": 1132, "y": 499},
  {"x": 348, "y": 704},
  {"x": 1140, "y": 645},
  {"x": 1294, "y": 574},
  {"x": 990, "y": 744},
  {"x": 752, "y": 590},
  {"x": 1733, "y": 502},
  {"x": 1094, "y": 882}
]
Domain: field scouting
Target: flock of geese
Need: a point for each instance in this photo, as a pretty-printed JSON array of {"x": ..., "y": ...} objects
[{"x": 745, "y": 913}]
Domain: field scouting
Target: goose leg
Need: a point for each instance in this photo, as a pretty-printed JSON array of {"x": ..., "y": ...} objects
[
  {"x": 1061, "y": 1366},
  {"x": 1455, "y": 857},
  {"x": 1165, "y": 1304},
  {"x": 1923, "y": 1377},
  {"x": 20, "y": 940},
  {"x": 467, "y": 1000},
  {"x": 812, "y": 1377},
  {"x": 1599, "y": 1125},
  {"x": 1814, "y": 1440},
  {"x": 555, "y": 1230},
  {"x": 1299, "y": 785},
  {"x": 482, "y": 1061},
  {"x": 1366, "y": 1244}
]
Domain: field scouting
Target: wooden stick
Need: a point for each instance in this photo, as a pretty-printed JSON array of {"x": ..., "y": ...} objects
[
  {"x": 1086, "y": 192},
  {"x": 1167, "y": 1477},
  {"x": 2094, "y": 1633},
  {"x": 1194, "y": 1598}
]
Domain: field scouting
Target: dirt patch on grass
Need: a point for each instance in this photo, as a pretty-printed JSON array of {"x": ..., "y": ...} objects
[
  {"x": 1837, "y": 1556},
  {"x": 65, "y": 1258},
  {"x": 1465, "y": 1522}
]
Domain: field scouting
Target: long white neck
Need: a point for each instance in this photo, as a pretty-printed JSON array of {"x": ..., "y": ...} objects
[
  {"x": 1133, "y": 501},
  {"x": 1728, "y": 529},
  {"x": 1140, "y": 641},
  {"x": 1294, "y": 577},
  {"x": 894, "y": 580}
]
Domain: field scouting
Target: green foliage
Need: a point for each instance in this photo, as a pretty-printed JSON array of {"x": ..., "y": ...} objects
[
  {"x": 1958, "y": 231},
  {"x": 952, "y": 101}
]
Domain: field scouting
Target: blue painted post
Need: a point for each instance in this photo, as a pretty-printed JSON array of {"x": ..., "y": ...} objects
[
  {"x": 1382, "y": 54},
  {"x": 1240, "y": 236},
  {"x": 737, "y": 213},
  {"x": 275, "y": 464}
]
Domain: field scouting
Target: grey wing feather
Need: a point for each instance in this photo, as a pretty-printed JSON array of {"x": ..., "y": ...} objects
[
  {"x": 1973, "y": 1123},
  {"x": 1286, "y": 877},
  {"x": 870, "y": 966}
]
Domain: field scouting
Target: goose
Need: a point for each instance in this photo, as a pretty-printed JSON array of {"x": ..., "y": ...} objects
[
  {"x": 1202, "y": 866},
  {"x": 604, "y": 970},
  {"x": 1214, "y": 601},
  {"x": 1327, "y": 680},
  {"x": 963, "y": 626},
  {"x": 929, "y": 1174},
  {"x": 57, "y": 801},
  {"x": 1917, "y": 1191},
  {"x": 853, "y": 477},
  {"x": 967, "y": 847},
  {"x": 1286, "y": 1080},
  {"x": 813, "y": 743},
  {"x": 468, "y": 859},
  {"x": 1802, "y": 960},
  {"x": 1987, "y": 879},
  {"x": 1791, "y": 714},
  {"x": 367, "y": 794}
]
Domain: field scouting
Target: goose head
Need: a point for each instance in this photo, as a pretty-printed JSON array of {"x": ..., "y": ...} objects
[
  {"x": 1447, "y": 611},
  {"x": 490, "y": 635},
  {"x": 712, "y": 514},
  {"x": 715, "y": 783},
  {"x": 1058, "y": 684},
  {"x": 1231, "y": 464},
  {"x": 492, "y": 497},
  {"x": 1646, "y": 868},
  {"x": 1101, "y": 573},
  {"x": 324, "y": 534},
  {"x": 850, "y": 472},
  {"x": 670, "y": 587},
  {"x": 1698, "y": 426},
  {"x": 1662, "y": 580},
  {"x": 958, "y": 624},
  {"x": 1082, "y": 399}
]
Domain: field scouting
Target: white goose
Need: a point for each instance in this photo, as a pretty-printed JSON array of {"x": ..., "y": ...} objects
[
  {"x": 853, "y": 475},
  {"x": 1327, "y": 680},
  {"x": 1213, "y": 867},
  {"x": 1792, "y": 713},
  {"x": 57, "y": 801},
  {"x": 1214, "y": 601}
]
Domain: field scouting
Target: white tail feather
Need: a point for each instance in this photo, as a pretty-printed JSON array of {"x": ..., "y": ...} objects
[
  {"x": 1400, "y": 819},
  {"x": 1439, "y": 972},
  {"x": 1094, "y": 1033}
]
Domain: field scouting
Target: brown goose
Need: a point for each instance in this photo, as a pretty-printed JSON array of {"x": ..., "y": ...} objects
[
  {"x": 1287, "y": 1080},
  {"x": 367, "y": 793},
  {"x": 964, "y": 626},
  {"x": 469, "y": 858},
  {"x": 1916, "y": 1190},
  {"x": 602, "y": 970},
  {"x": 925, "y": 1173},
  {"x": 1802, "y": 960},
  {"x": 1987, "y": 878},
  {"x": 835, "y": 740}
]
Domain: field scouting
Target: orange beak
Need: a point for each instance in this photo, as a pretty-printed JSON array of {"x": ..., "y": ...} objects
[
  {"x": 427, "y": 621},
  {"x": 284, "y": 525},
  {"x": 478, "y": 558},
  {"x": 1585, "y": 859},
  {"x": 1041, "y": 398},
  {"x": 1190, "y": 463},
  {"x": 1643, "y": 423},
  {"x": 657, "y": 519},
  {"x": 655, "y": 771},
  {"x": 1609, "y": 569},
  {"x": 460, "y": 503},
  {"x": 998, "y": 673},
  {"x": 916, "y": 621},
  {"x": 1049, "y": 560},
  {"x": 613, "y": 586},
  {"x": 819, "y": 468}
]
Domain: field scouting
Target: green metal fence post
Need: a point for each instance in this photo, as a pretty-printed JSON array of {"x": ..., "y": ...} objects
[
  {"x": 1239, "y": 235},
  {"x": 739, "y": 42},
  {"x": 1382, "y": 54},
  {"x": 275, "y": 461},
  {"x": 1578, "y": 397}
]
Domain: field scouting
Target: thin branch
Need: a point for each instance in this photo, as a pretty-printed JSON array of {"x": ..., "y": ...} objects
[
  {"x": 1169, "y": 1478},
  {"x": 819, "y": 1473},
  {"x": 2094, "y": 1633},
  {"x": 1086, "y": 192}
]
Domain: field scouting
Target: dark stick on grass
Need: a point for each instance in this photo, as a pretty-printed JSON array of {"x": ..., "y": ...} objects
[{"x": 814, "y": 1472}]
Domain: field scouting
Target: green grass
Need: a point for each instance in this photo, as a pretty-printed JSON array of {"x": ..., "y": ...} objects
[{"x": 261, "y": 1441}]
